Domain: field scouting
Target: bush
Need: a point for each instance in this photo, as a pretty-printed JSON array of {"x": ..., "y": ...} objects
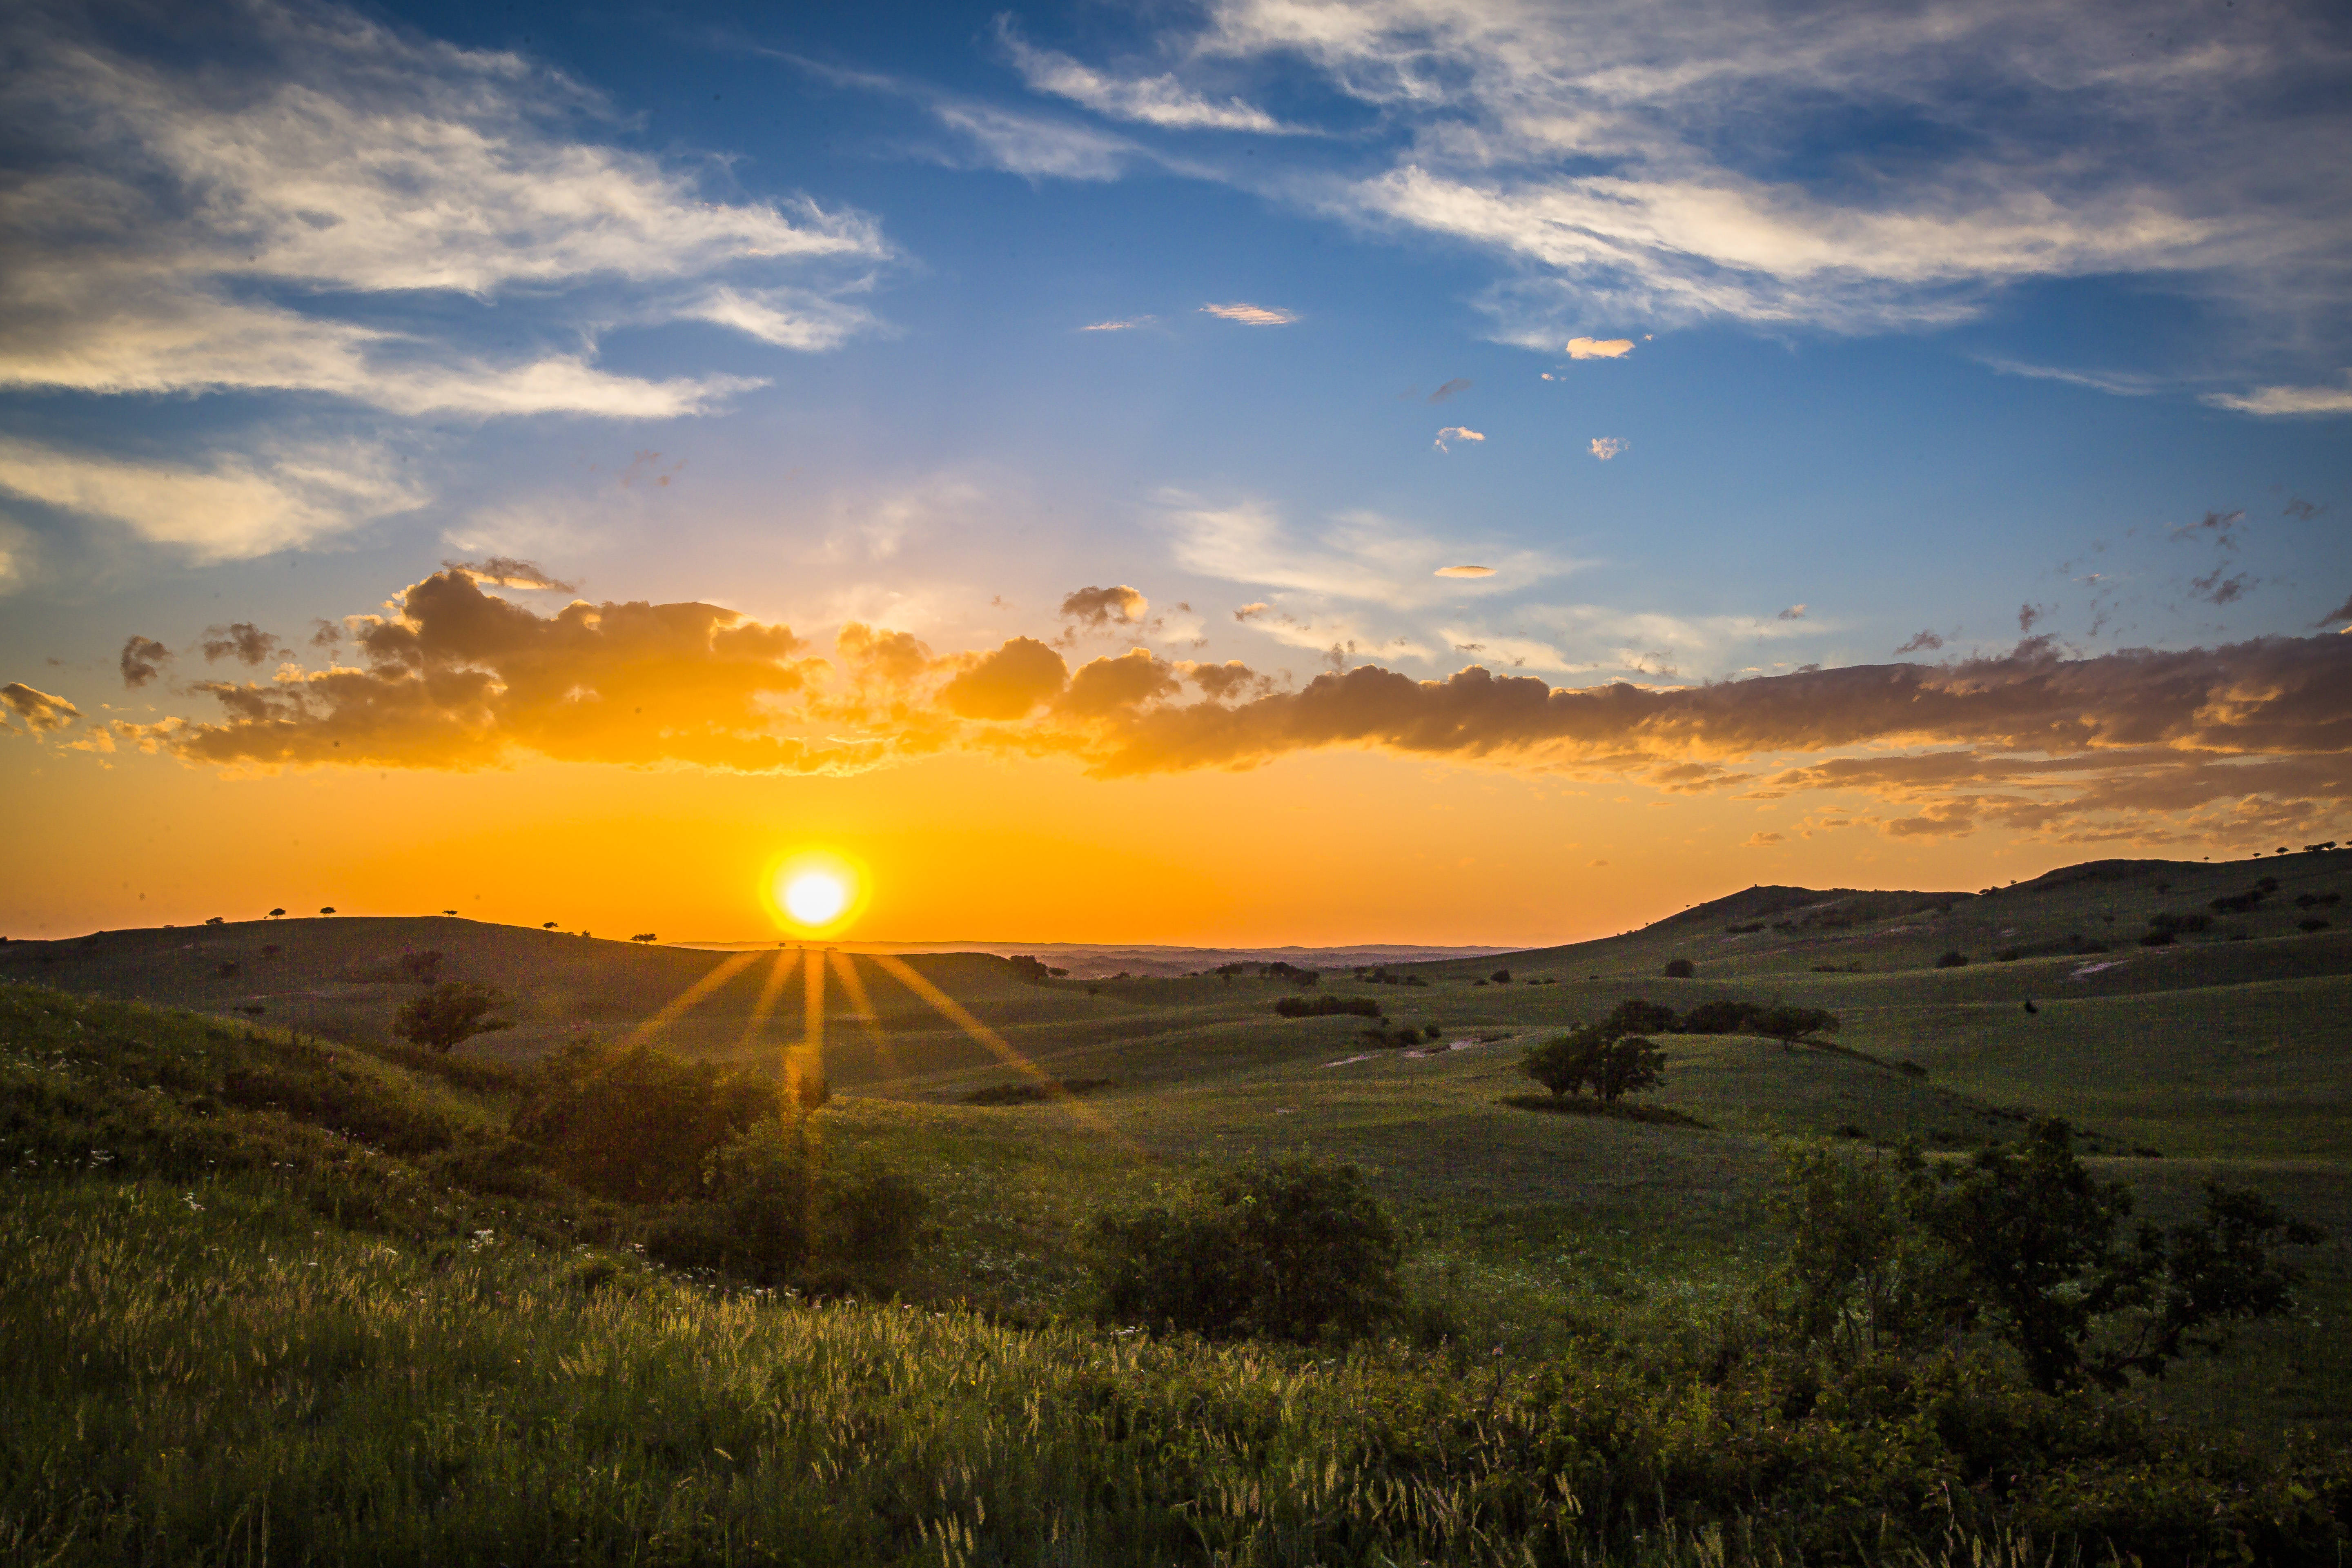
[
  {"x": 635, "y": 1125},
  {"x": 1952, "y": 960},
  {"x": 1721, "y": 1019},
  {"x": 871, "y": 1215},
  {"x": 450, "y": 1014},
  {"x": 1679, "y": 969},
  {"x": 1283, "y": 1250}
]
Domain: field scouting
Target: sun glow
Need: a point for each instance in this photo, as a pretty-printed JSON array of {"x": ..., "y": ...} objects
[{"x": 816, "y": 893}]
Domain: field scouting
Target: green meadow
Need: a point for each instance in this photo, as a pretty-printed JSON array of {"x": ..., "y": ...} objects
[{"x": 277, "y": 1289}]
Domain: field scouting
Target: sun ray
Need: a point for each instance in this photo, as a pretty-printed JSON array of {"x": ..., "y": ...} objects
[
  {"x": 720, "y": 975},
  {"x": 778, "y": 974},
  {"x": 955, "y": 1013},
  {"x": 845, "y": 967},
  {"x": 805, "y": 1061}
]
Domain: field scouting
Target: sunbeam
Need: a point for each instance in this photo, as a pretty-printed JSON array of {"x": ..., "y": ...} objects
[
  {"x": 720, "y": 975},
  {"x": 845, "y": 966}
]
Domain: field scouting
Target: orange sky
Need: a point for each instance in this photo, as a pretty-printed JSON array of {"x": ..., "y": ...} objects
[{"x": 1323, "y": 847}]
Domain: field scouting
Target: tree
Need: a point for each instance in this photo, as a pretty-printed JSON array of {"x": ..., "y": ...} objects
[
  {"x": 1609, "y": 1056},
  {"x": 644, "y": 936},
  {"x": 1500, "y": 977},
  {"x": 450, "y": 1014},
  {"x": 2022, "y": 1243},
  {"x": 1628, "y": 1064},
  {"x": 1564, "y": 1064},
  {"x": 1679, "y": 969},
  {"x": 451, "y": 913},
  {"x": 636, "y": 1125},
  {"x": 547, "y": 925},
  {"x": 326, "y": 909},
  {"x": 1790, "y": 1025},
  {"x": 278, "y": 914}
]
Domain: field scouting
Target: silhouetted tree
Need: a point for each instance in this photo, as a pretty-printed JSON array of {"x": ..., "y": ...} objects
[
  {"x": 278, "y": 914},
  {"x": 450, "y": 1014},
  {"x": 1790, "y": 1025},
  {"x": 644, "y": 936},
  {"x": 1500, "y": 977},
  {"x": 1679, "y": 969},
  {"x": 547, "y": 925},
  {"x": 326, "y": 909}
]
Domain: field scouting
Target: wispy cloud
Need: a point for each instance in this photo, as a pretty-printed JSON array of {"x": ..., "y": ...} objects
[
  {"x": 1252, "y": 315},
  {"x": 230, "y": 507},
  {"x": 1159, "y": 101},
  {"x": 2287, "y": 400},
  {"x": 1450, "y": 389},
  {"x": 1455, "y": 433},
  {"x": 177, "y": 229},
  {"x": 1357, "y": 556},
  {"x": 1126, "y": 325}
]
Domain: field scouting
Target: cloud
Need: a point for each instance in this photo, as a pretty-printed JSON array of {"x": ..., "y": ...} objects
[
  {"x": 506, "y": 572},
  {"x": 1008, "y": 682},
  {"x": 1455, "y": 433},
  {"x": 2221, "y": 527},
  {"x": 2215, "y": 589},
  {"x": 2028, "y": 617},
  {"x": 1158, "y": 100},
  {"x": 2140, "y": 741},
  {"x": 40, "y": 711},
  {"x": 1607, "y": 446},
  {"x": 2343, "y": 612},
  {"x": 2287, "y": 400},
  {"x": 1762, "y": 840},
  {"x": 1926, "y": 640},
  {"x": 232, "y": 507},
  {"x": 143, "y": 660},
  {"x": 1452, "y": 388},
  {"x": 292, "y": 196},
  {"x": 2300, "y": 510},
  {"x": 1035, "y": 146},
  {"x": 1128, "y": 325},
  {"x": 1252, "y": 611},
  {"x": 1359, "y": 556},
  {"x": 1600, "y": 348},
  {"x": 248, "y": 642},
  {"x": 1794, "y": 612},
  {"x": 1098, "y": 608},
  {"x": 1252, "y": 315},
  {"x": 1463, "y": 571}
]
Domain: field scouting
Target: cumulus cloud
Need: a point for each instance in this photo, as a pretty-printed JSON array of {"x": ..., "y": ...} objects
[
  {"x": 1252, "y": 315},
  {"x": 1452, "y": 388},
  {"x": 1607, "y": 446},
  {"x": 1098, "y": 608},
  {"x": 143, "y": 660},
  {"x": 39, "y": 709},
  {"x": 1600, "y": 348},
  {"x": 453, "y": 677},
  {"x": 231, "y": 507},
  {"x": 183, "y": 219},
  {"x": 1455, "y": 433},
  {"x": 248, "y": 643}
]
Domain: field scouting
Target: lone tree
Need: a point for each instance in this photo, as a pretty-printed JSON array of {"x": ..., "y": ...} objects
[
  {"x": 1790, "y": 1025},
  {"x": 450, "y": 1014},
  {"x": 644, "y": 936},
  {"x": 1615, "y": 1055},
  {"x": 547, "y": 925},
  {"x": 278, "y": 914},
  {"x": 326, "y": 909},
  {"x": 1679, "y": 969}
]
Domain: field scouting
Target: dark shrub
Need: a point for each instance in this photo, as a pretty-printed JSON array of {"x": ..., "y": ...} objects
[
  {"x": 1679, "y": 969},
  {"x": 2191, "y": 923},
  {"x": 1283, "y": 1250},
  {"x": 635, "y": 1125},
  {"x": 1501, "y": 977},
  {"x": 1721, "y": 1017},
  {"x": 871, "y": 1215},
  {"x": 1952, "y": 960}
]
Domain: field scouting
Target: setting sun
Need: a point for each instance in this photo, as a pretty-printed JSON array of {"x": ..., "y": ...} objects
[{"x": 816, "y": 898}]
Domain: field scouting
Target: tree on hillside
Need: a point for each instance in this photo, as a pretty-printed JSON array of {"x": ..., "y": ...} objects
[
  {"x": 547, "y": 925},
  {"x": 1679, "y": 969},
  {"x": 278, "y": 914},
  {"x": 644, "y": 936},
  {"x": 326, "y": 909},
  {"x": 450, "y": 1014},
  {"x": 1562, "y": 1063},
  {"x": 1790, "y": 1025},
  {"x": 1609, "y": 1056}
]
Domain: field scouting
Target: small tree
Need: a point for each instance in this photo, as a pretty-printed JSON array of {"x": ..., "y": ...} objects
[
  {"x": 278, "y": 914},
  {"x": 450, "y": 1014},
  {"x": 1790, "y": 1025},
  {"x": 547, "y": 925},
  {"x": 1955, "y": 959},
  {"x": 1501, "y": 977},
  {"x": 1564, "y": 1064},
  {"x": 644, "y": 936},
  {"x": 451, "y": 913},
  {"x": 1679, "y": 969},
  {"x": 1628, "y": 1065},
  {"x": 326, "y": 909}
]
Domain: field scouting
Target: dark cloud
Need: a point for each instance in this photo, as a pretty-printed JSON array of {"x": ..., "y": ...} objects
[
  {"x": 326, "y": 635},
  {"x": 1108, "y": 685},
  {"x": 2300, "y": 510},
  {"x": 1794, "y": 613},
  {"x": 506, "y": 572},
  {"x": 2342, "y": 613},
  {"x": 2221, "y": 527},
  {"x": 1100, "y": 607},
  {"x": 248, "y": 643},
  {"x": 1452, "y": 388},
  {"x": 1224, "y": 682},
  {"x": 38, "y": 709},
  {"x": 143, "y": 660},
  {"x": 2216, "y": 589},
  {"x": 1924, "y": 641},
  {"x": 2029, "y": 615}
]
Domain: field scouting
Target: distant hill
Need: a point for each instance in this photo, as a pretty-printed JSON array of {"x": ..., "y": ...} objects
[{"x": 1096, "y": 961}]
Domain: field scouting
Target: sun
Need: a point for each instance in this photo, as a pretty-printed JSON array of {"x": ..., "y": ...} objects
[
  {"x": 815, "y": 892},
  {"x": 816, "y": 898}
]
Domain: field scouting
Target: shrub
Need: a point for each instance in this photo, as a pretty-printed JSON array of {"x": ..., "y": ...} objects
[
  {"x": 1955, "y": 959},
  {"x": 635, "y": 1125},
  {"x": 450, "y": 1014},
  {"x": 871, "y": 1215},
  {"x": 1679, "y": 969},
  {"x": 1501, "y": 977},
  {"x": 1284, "y": 1250},
  {"x": 1721, "y": 1017}
]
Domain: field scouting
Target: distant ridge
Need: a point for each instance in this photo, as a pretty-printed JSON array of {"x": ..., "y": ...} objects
[{"x": 1096, "y": 960}]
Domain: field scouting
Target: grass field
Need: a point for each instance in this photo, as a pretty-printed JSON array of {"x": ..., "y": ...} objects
[{"x": 2225, "y": 1055}]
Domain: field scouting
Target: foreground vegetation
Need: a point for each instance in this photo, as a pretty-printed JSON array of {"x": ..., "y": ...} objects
[{"x": 310, "y": 1301}]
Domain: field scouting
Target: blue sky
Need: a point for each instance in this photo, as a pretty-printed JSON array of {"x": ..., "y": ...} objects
[{"x": 1736, "y": 338}]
